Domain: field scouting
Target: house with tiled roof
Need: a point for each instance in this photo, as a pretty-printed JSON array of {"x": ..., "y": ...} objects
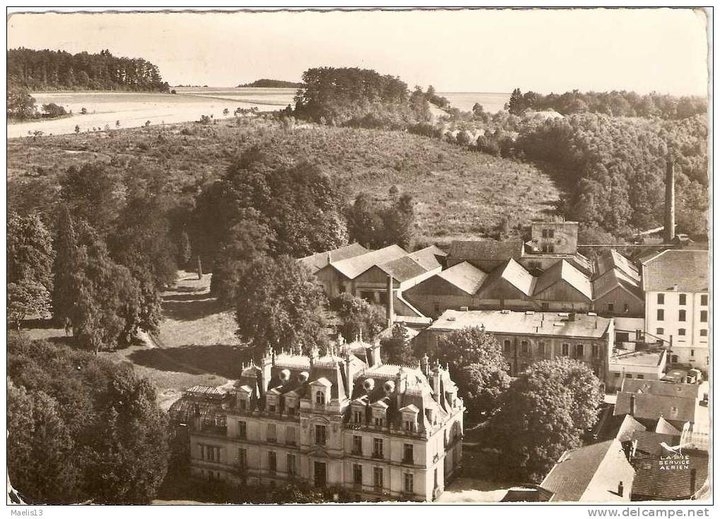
[
  {"x": 487, "y": 254},
  {"x": 528, "y": 337},
  {"x": 317, "y": 261},
  {"x": 677, "y": 304},
  {"x": 341, "y": 419},
  {"x": 598, "y": 473}
]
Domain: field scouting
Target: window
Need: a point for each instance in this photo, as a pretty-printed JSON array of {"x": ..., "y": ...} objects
[
  {"x": 551, "y": 233},
  {"x": 681, "y": 331},
  {"x": 703, "y": 316},
  {"x": 703, "y": 333},
  {"x": 357, "y": 416},
  {"x": 682, "y": 314},
  {"x": 611, "y": 307},
  {"x": 242, "y": 430},
  {"x": 565, "y": 349},
  {"x": 377, "y": 448},
  {"x": 507, "y": 346},
  {"x": 243, "y": 404},
  {"x": 242, "y": 458},
  {"x": 544, "y": 233},
  {"x": 640, "y": 376},
  {"x": 660, "y": 314},
  {"x": 661, "y": 299},
  {"x": 209, "y": 452},
  {"x": 692, "y": 353},
  {"x": 551, "y": 249},
  {"x": 272, "y": 461},
  {"x": 704, "y": 299},
  {"x": 579, "y": 350},
  {"x": 291, "y": 409},
  {"x": 272, "y": 408},
  {"x": 410, "y": 425},
  {"x": 320, "y": 398},
  {"x": 617, "y": 375},
  {"x": 595, "y": 351},
  {"x": 290, "y": 435},
  {"x": 319, "y": 435},
  {"x": 378, "y": 421},
  {"x": 271, "y": 433},
  {"x": 660, "y": 331},
  {"x": 626, "y": 308},
  {"x": 291, "y": 467},
  {"x": 541, "y": 348},
  {"x": 524, "y": 347},
  {"x": 357, "y": 445},
  {"x": 545, "y": 306},
  {"x": 683, "y": 299},
  {"x": 628, "y": 375},
  {"x": 436, "y": 308},
  {"x": 407, "y": 453},
  {"x": 408, "y": 484},
  {"x": 357, "y": 474},
  {"x": 377, "y": 477}
]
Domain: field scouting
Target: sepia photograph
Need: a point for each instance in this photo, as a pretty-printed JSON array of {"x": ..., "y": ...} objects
[{"x": 354, "y": 256}]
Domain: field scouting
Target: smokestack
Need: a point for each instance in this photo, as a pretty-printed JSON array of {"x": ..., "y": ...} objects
[
  {"x": 670, "y": 200},
  {"x": 390, "y": 302},
  {"x": 632, "y": 404}
]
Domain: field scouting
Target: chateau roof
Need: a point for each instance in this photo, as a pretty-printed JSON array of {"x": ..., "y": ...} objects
[{"x": 680, "y": 270}]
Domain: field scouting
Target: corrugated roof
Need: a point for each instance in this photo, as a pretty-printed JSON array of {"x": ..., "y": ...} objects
[
  {"x": 321, "y": 259},
  {"x": 571, "y": 476},
  {"x": 662, "y": 388},
  {"x": 486, "y": 249},
  {"x": 524, "y": 323},
  {"x": 464, "y": 276},
  {"x": 403, "y": 269},
  {"x": 562, "y": 270},
  {"x": 428, "y": 257},
  {"x": 685, "y": 269},
  {"x": 353, "y": 267},
  {"x": 652, "y": 407}
]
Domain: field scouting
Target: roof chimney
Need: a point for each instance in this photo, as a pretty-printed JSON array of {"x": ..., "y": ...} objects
[
  {"x": 621, "y": 489},
  {"x": 632, "y": 404},
  {"x": 670, "y": 200}
]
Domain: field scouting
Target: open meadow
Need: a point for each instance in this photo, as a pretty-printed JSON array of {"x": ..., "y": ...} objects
[{"x": 458, "y": 193}]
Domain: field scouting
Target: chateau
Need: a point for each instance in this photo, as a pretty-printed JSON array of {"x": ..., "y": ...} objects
[{"x": 343, "y": 419}]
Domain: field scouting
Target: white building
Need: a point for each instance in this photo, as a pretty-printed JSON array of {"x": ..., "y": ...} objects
[
  {"x": 347, "y": 420},
  {"x": 677, "y": 304}
]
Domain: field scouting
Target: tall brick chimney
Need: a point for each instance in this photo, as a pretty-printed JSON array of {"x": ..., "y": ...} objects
[{"x": 670, "y": 200}]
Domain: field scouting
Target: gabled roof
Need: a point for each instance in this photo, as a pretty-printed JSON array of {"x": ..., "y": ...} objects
[
  {"x": 321, "y": 259},
  {"x": 353, "y": 267},
  {"x": 403, "y": 269},
  {"x": 653, "y": 407},
  {"x": 490, "y": 250},
  {"x": 662, "y": 388},
  {"x": 572, "y": 476},
  {"x": 562, "y": 270},
  {"x": 649, "y": 442},
  {"x": 464, "y": 276},
  {"x": 612, "y": 279},
  {"x": 685, "y": 269},
  {"x": 428, "y": 257},
  {"x": 665, "y": 427},
  {"x": 322, "y": 381},
  {"x": 515, "y": 274},
  {"x": 612, "y": 259}
]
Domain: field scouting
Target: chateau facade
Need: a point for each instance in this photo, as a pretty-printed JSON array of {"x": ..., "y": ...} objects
[{"x": 339, "y": 420}]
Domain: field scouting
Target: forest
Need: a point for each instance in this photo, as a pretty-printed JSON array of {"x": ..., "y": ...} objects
[
  {"x": 271, "y": 83},
  {"x": 39, "y": 70}
]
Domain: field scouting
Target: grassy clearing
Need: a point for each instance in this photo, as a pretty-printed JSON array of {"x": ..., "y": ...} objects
[{"x": 458, "y": 193}]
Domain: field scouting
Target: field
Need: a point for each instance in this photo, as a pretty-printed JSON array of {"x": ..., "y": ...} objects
[{"x": 458, "y": 193}]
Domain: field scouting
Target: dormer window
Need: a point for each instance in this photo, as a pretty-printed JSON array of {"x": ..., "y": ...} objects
[
  {"x": 378, "y": 421},
  {"x": 243, "y": 404},
  {"x": 320, "y": 397}
]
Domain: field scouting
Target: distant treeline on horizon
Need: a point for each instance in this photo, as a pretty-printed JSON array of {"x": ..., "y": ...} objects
[
  {"x": 59, "y": 70},
  {"x": 271, "y": 83}
]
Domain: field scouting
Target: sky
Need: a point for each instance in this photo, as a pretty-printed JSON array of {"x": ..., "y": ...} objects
[{"x": 468, "y": 50}]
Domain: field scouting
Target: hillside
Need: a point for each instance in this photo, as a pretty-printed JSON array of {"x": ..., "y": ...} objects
[
  {"x": 458, "y": 192},
  {"x": 270, "y": 83}
]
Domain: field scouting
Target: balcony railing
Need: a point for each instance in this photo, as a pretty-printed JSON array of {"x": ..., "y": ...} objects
[{"x": 378, "y": 455}]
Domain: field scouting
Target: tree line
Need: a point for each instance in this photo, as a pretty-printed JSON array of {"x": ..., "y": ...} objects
[
  {"x": 615, "y": 103},
  {"x": 59, "y": 70}
]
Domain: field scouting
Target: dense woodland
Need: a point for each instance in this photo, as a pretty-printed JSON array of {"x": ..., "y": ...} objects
[
  {"x": 270, "y": 83},
  {"x": 59, "y": 70}
]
